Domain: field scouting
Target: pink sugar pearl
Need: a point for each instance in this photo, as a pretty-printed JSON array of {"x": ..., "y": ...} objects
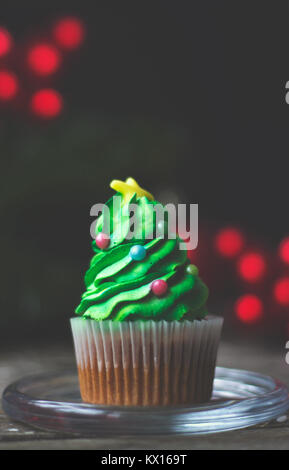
[
  {"x": 159, "y": 287},
  {"x": 102, "y": 241}
]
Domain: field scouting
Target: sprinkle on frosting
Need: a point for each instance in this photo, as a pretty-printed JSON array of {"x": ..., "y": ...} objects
[{"x": 128, "y": 188}]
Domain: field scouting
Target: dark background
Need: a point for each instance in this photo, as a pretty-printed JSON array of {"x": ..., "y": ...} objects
[{"x": 188, "y": 97}]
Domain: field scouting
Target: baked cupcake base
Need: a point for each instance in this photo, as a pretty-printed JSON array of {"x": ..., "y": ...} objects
[{"x": 146, "y": 363}]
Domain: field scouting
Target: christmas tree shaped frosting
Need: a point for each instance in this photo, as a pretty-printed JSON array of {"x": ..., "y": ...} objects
[{"x": 140, "y": 273}]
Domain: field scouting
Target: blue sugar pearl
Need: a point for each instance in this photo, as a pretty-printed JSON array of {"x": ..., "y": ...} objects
[{"x": 137, "y": 252}]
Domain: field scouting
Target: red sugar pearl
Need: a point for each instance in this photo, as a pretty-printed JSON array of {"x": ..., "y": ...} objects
[
  {"x": 102, "y": 241},
  {"x": 159, "y": 287}
]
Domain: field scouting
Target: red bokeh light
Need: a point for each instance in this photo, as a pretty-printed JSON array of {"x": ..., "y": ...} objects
[
  {"x": 249, "y": 308},
  {"x": 47, "y": 103},
  {"x": 284, "y": 250},
  {"x": 44, "y": 59},
  {"x": 69, "y": 32},
  {"x": 229, "y": 242},
  {"x": 5, "y": 42},
  {"x": 8, "y": 85},
  {"x": 252, "y": 267},
  {"x": 281, "y": 291}
]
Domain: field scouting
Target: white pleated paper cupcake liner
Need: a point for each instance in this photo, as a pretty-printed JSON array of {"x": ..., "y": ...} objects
[{"x": 146, "y": 363}]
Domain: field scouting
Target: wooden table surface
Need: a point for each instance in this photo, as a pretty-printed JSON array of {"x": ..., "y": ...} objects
[{"x": 16, "y": 364}]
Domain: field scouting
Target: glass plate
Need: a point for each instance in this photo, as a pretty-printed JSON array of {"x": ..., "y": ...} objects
[{"x": 52, "y": 402}]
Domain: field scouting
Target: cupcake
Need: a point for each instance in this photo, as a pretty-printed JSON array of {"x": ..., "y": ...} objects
[{"x": 143, "y": 336}]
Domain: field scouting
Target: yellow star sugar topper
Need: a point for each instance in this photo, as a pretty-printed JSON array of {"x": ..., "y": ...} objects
[{"x": 128, "y": 188}]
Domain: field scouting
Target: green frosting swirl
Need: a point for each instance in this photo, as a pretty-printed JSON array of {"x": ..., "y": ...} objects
[{"x": 119, "y": 288}]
